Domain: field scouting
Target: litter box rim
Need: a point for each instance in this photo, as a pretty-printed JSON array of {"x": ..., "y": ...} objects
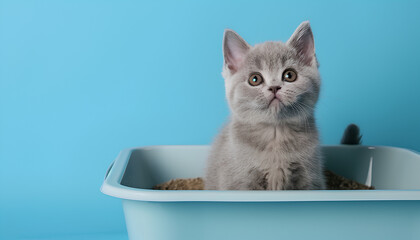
[{"x": 111, "y": 186}]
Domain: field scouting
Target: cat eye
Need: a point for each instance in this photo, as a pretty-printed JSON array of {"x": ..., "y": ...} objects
[
  {"x": 289, "y": 75},
  {"x": 255, "y": 79}
]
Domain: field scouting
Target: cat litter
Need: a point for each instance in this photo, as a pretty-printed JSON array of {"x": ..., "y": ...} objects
[{"x": 391, "y": 211}]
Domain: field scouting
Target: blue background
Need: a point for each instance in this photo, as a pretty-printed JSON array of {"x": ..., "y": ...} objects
[{"x": 81, "y": 80}]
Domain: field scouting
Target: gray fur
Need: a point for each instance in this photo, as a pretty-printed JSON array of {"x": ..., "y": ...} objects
[
  {"x": 352, "y": 135},
  {"x": 268, "y": 146}
]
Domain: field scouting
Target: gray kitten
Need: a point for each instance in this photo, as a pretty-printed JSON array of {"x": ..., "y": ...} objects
[{"x": 271, "y": 141}]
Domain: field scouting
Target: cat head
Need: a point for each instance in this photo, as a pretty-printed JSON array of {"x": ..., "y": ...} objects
[{"x": 271, "y": 82}]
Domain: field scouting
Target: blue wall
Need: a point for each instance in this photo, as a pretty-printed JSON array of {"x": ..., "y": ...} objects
[{"x": 81, "y": 80}]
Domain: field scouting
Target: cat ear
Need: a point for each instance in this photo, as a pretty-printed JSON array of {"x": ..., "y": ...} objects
[
  {"x": 234, "y": 50},
  {"x": 303, "y": 41}
]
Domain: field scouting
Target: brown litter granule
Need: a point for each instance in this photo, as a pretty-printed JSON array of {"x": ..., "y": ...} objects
[
  {"x": 334, "y": 182},
  {"x": 182, "y": 184},
  {"x": 337, "y": 182}
]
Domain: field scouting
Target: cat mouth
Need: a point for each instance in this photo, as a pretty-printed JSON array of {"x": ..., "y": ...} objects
[{"x": 275, "y": 102}]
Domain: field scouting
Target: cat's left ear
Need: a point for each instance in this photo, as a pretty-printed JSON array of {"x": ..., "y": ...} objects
[
  {"x": 234, "y": 50},
  {"x": 303, "y": 41}
]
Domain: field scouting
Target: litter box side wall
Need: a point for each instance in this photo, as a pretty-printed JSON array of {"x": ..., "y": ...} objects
[
  {"x": 385, "y": 168},
  {"x": 156, "y": 164},
  {"x": 274, "y": 220},
  {"x": 149, "y": 166}
]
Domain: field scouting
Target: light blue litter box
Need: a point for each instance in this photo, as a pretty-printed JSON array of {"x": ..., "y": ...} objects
[{"x": 390, "y": 212}]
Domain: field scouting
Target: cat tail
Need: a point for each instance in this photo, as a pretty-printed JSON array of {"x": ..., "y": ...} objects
[{"x": 352, "y": 135}]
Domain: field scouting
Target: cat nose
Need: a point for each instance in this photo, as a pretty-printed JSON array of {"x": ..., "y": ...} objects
[{"x": 274, "y": 89}]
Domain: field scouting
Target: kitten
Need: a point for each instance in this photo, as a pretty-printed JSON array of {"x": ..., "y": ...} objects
[{"x": 271, "y": 141}]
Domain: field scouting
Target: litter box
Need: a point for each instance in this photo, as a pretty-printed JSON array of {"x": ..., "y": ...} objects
[{"x": 392, "y": 211}]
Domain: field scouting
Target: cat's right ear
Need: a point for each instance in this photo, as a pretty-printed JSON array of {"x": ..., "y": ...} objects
[
  {"x": 303, "y": 41},
  {"x": 234, "y": 50}
]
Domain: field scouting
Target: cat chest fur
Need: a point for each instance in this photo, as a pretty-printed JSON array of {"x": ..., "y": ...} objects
[{"x": 283, "y": 154}]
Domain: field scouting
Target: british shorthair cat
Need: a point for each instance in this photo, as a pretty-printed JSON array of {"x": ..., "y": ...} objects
[{"x": 271, "y": 140}]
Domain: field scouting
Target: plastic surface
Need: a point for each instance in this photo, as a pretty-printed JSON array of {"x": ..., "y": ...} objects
[{"x": 390, "y": 212}]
